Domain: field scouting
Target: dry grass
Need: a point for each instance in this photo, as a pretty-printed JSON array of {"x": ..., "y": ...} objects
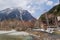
[{"x": 56, "y": 32}]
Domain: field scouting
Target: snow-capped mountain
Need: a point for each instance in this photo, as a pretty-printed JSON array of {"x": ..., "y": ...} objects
[{"x": 15, "y": 13}]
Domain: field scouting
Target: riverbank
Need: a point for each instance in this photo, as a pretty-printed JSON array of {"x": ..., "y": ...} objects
[{"x": 31, "y": 35}]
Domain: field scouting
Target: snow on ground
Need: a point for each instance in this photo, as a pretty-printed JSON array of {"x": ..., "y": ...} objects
[
  {"x": 14, "y": 32},
  {"x": 38, "y": 30},
  {"x": 18, "y": 33},
  {"x": 3, "y": 32},
  {"x": 49, "y": 30}
]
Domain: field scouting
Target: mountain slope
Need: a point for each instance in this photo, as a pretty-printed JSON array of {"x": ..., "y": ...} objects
[
  {"x": 16, "y": 18},
  {"x": 54, "y": 11},
  {"x": 15, "y": 13},
  {"x": 49, "y": 18}
]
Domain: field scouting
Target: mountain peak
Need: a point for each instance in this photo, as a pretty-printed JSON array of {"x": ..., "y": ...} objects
[{"x": 16, "y": 13}]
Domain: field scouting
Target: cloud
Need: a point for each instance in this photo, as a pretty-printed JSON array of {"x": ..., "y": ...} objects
[
  {"x": 15, "y": 3},
  {"x": 37, "y": 17},
  {"x": 30, "y": 5},
  {"x": 31, "y": 9},
  {"x": 56, "y": 3},
  {"x": 49, "y": 3},
  {"x": 20, "y": 3}
]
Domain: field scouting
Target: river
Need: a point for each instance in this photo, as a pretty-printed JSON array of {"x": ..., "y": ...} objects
[{"x": 15, "y": 35}]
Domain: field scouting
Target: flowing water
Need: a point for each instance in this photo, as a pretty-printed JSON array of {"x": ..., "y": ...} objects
[{"x": 14, "y": 35}]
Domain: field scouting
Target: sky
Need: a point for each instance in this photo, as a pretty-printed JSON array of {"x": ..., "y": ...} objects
[{"x": 35, "y": 7}]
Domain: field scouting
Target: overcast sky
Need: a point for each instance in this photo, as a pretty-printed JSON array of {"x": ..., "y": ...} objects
[{"x": 35, "y": 7}]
